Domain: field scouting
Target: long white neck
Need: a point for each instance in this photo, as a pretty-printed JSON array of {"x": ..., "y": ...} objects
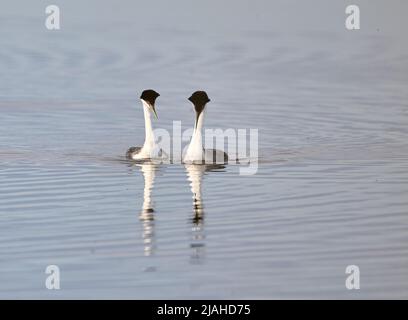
[
  {"x": 149, "y": 134},
  {"x": 195, "y": 151},
  {"x": 197, "y": 138}
]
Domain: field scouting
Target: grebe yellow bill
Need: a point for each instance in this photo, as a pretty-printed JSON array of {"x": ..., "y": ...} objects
[
  {"x": 195, "y": 152},
  {"x": 149, "y": 150}
]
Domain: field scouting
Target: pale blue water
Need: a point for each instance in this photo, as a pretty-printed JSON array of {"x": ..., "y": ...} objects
[{"x": 331, "y": 190}]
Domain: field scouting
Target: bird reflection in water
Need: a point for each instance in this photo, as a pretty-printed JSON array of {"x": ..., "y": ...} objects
[
  {"x": 147, "y": 214},
  {"x": 195, "y": 173}
]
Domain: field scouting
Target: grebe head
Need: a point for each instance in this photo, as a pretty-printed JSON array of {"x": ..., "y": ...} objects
[
  {"x": 149, "y": 96},
  {"x": 199, "y": 99}
]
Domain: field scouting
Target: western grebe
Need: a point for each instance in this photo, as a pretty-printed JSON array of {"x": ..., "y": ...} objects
[
  {"x": 195, "y": 152},
  {"x": 150, "y": 149}
]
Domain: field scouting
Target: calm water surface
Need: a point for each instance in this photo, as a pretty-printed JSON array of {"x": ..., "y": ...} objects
[{"x": 331, "y": 190}]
